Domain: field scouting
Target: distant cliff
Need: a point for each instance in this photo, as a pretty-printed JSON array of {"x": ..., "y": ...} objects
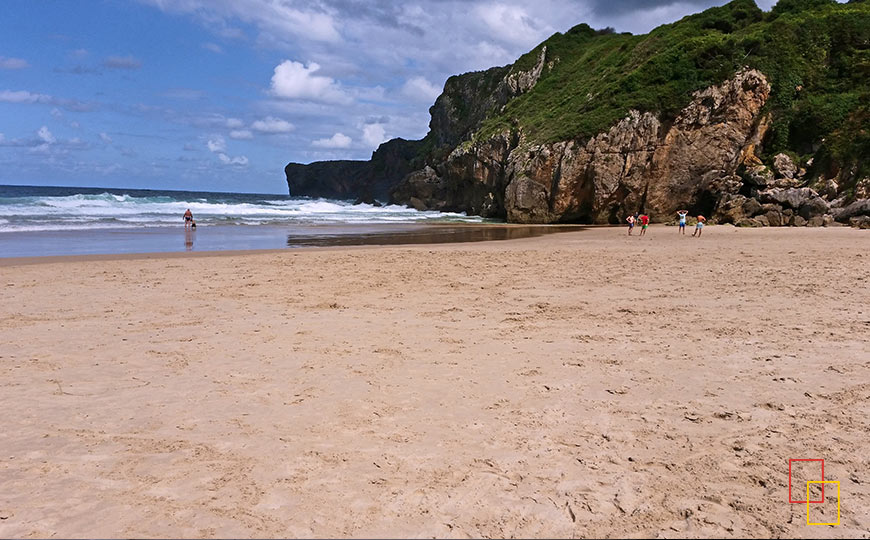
[
  {"x": 751, "y": 118},
  {"x": 361, "y": 180}
]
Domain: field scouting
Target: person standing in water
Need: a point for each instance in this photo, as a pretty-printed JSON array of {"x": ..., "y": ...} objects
[
  {"x": 188, "y": 218},
  {"x": 682, "y": 214},
  {"x": 700, "y": 226}
]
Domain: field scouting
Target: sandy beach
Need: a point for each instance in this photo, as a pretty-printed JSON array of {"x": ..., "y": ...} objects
[{"x": 583, "y": 384}]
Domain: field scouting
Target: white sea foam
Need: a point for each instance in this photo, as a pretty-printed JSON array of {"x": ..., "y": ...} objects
[{"x": 113, "y": 210}]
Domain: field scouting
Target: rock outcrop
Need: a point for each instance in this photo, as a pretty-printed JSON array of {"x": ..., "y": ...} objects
[
  {"x": 638, "y": 164},
  {"x": 363, "y": 181}
]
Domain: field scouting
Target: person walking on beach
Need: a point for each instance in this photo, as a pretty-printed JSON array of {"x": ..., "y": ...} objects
[
  {"x": 188, "y": 218},
  {"x": 644, "y": 222},
  {"x": 700, "y": 226},
  {"x": 682, "y": 214},
  {"x": 630, "y": 220}
]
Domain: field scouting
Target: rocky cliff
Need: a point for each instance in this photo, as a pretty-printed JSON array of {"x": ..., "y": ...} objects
[
  {"x": 592, "y": 126},
  {"x": 365, "y": 181}
]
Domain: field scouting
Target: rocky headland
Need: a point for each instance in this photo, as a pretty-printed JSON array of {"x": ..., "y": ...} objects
[{"x": 592, "y": 126}]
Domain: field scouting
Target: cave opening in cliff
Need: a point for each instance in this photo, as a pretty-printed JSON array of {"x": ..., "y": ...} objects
[{"x": 704, "y": 204}]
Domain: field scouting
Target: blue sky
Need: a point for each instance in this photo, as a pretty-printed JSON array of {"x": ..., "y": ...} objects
[{"x": 220, "y": 94}]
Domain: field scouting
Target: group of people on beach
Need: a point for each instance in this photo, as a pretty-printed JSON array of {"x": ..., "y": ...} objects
[{"x": 643, "y": 221}]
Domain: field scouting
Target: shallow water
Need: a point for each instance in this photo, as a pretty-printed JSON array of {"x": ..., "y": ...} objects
[{"x": 230, "y": 237}]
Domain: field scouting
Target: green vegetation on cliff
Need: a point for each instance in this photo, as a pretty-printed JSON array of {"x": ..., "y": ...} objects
[{"x": 816, "y": 54}]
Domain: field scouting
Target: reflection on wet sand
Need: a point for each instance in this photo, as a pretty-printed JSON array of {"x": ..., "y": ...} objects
[
  {"x": 428, "y": 234},
  {"x": 189, "y": 236}
]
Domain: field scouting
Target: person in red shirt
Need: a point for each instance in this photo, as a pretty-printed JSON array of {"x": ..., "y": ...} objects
[{"x": 644, "y": 222}]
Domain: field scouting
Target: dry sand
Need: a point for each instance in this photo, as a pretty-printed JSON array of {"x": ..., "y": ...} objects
[{"x": 582, "y": 384}]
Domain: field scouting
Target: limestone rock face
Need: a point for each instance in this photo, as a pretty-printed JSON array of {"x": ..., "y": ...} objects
[
  {"x": 637, "y": 164},
  {"x": 468, "y": 99},
  {"x": 426, "y": 187}
]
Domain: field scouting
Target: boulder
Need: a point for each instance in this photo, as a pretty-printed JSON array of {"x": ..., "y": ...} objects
[
  {"x": 816, "y": 221},
  {"x": 774, "y": 218},
  {"x": 788, "y": 198},
  {"x": 815, "y": 206},
  {"x": 784, "y": 166},
  {"x": 828, "y": 221},
  {"x": 860, "y": 222},
  {"x": 748, "y": 222},
  {"x": 752, "y": 207},
  {"x": 797, "y": 221},
  {"x": 862, "y": 188},
  {"x": 860, "y": 207},
  {"x": 762, "y": 220},
  {"x": 730, "y": 209}
]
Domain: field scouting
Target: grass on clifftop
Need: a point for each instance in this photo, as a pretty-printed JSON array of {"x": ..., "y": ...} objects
[{"x": 816, "y": 54}]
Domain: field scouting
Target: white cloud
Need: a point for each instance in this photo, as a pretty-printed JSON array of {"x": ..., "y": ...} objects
[
  {"x": 270, "y": 124},
  {"x": 79, "y": 53},
  {"x": 217, "y": 144},
  {"x": 339, "y": 140},
  {"x": 278, "y": 21},
  {"x": 213, "y": 47},
  {"x": 23, "y": 96},
  {"x": 420, "y": 89},
  {"x": 234, "y": 123},
  {"x": 105, "y": 138},
  {"x": 238, "y": 160},
  {"x": 12, "y": 63},
  {"x": 45, "y": 135},
  {"x": 122, "y": 62},
  {"x": 374, "y": 134},
  {"x": 55, "y": 112},
  {"x": 293, "y": 80},
  {"x": 513, "y": 24},
  {"x": 241, "y": 134}
]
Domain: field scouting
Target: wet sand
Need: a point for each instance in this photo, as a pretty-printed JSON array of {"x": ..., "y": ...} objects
[
  {"x": 577, "y": 384},
  {"x": 90, "y": 242}
]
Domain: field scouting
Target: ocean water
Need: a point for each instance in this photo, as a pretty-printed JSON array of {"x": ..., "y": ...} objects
[
  {"x": 32, "y": 209},
  {"x": 47, "y": 221}
]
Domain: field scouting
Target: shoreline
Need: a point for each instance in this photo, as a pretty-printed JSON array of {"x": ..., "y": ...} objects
[
  {"x": 158, "y": 255},
  {"x": 350, "y": 237}
]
